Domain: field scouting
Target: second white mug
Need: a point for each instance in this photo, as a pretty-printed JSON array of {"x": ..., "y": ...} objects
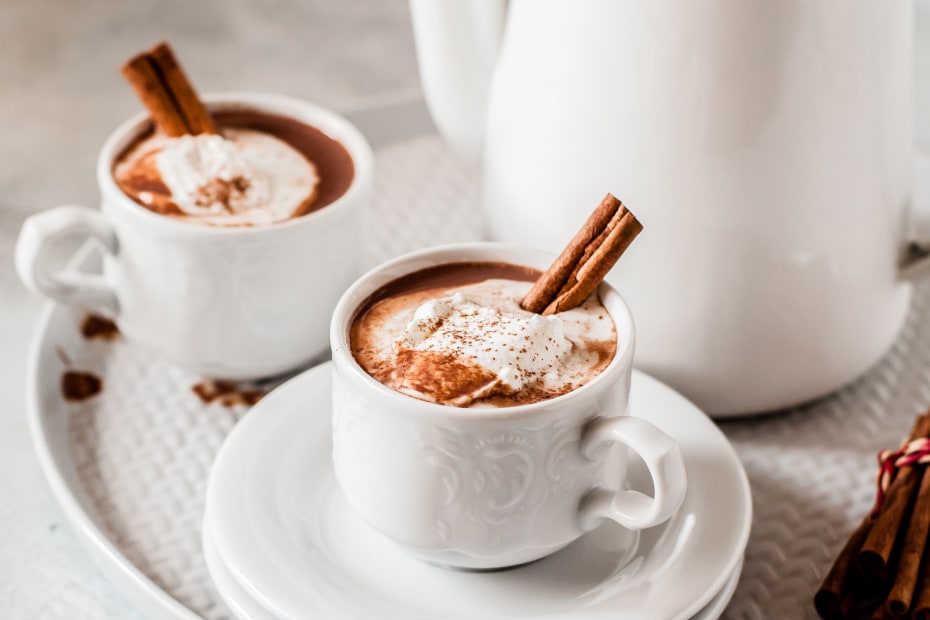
[{"x": 233, "y": 303}]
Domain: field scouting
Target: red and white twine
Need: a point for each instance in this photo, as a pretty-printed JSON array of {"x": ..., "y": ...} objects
[{"x": 916, "y": 452}]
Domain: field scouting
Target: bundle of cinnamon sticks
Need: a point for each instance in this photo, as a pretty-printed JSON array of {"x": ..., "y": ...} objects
[{"x": 883, "y": 571}]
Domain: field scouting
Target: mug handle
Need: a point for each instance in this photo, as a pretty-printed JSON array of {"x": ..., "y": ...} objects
[
  {"x": 663, "y": 459},
  {"x": 41, "y": 232}
]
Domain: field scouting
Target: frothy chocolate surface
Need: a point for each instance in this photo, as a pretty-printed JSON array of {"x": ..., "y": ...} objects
[
  {"x": 449, "y": 275},
  {"x": 329, "y": 160},
  {"x": 455, "y": 334}
]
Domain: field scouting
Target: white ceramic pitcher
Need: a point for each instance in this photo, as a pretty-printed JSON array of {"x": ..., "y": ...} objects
[{"x": 766, "y": 145}]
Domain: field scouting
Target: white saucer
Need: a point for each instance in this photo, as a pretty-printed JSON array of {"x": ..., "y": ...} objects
[
  {"x": 288, "y": 538},
  {"x": 245, "y": 607}
]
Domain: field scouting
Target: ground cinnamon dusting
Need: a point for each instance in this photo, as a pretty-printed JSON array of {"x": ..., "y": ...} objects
[
  {"x": 222, "y": 191},
  {"x": 63, "y": 356},
  {"x": 78, "y": 386},
  {"x": 444, "y": 376}
]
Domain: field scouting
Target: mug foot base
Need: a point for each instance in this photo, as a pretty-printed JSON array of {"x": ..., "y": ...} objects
[
  {"x": 461, "y": 561},
  {"x": 468, "y": 569}
]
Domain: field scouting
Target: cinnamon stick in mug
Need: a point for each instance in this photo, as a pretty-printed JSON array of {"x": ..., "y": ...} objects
[
  {"x": 162, "y": 86},
  {"x": 195, "y": 114},
  {"x": 585, "y": 261}
]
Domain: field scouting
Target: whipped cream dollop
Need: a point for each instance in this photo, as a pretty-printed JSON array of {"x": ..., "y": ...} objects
[
  {"x": 517, "y": 350},
  {"x": 474, "y": 346},
  {"x": 243, "y": 177}
]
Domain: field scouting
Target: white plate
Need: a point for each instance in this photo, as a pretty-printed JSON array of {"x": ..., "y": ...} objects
[
  {"x": 129, "y": 466},
  {"x": 246, "y": 608},
  {"x": 717, "y": 605},
  {"x": 289, "y": 539},
  {"x": 243, "y": 606}
]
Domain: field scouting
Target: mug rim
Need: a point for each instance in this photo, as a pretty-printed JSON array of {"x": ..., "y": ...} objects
[
  {"x": 329, "y": 122},
  {"x": 343, "y": 316}
]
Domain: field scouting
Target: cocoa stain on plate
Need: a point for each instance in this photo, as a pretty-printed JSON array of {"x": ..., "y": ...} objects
[
  {"x": 227, "y": 393},
  {"x": 63, "y": 356},
  {"x": 78, "y": 386},
  {"x": 98, "y": 327}
]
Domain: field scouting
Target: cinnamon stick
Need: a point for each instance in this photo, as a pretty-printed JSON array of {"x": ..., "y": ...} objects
[
  {"x": 860, "y": 604},
  {"x": 875, "y": 555},
  {"x": 922, "y": 594},
  {"x": 192, "y": 109},
  {"x": 585, "y": 261},
  {"x": 142, "y": 75},
  {"x": 167, "y": 94},
  {"x": 881, "y": 613},
  {"x": 595, "y": 269},
  {"x": 550, "y": 283},
  {"x": 912, "y": 550},
  {"x": 836, "y": 585},
  {"x": 847, "y": 591}
]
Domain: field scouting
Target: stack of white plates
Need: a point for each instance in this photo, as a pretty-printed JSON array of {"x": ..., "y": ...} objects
[{"x": 282, "y": 543}]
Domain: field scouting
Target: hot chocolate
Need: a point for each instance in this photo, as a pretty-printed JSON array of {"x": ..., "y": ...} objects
[
  {"x": 457, "y": 335},
  {"x": 259, "y": 169},
  {"x": 237, "y": 167}
]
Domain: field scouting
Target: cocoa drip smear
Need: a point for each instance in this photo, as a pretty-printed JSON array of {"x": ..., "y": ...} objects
[
  {"x": 455, "y": 334},
  {"x": 448, "y": 275},
  {"x": 78, "y": 386},
  {"x": 227, "y": 393},
  {"x": 96, "y": 327}
]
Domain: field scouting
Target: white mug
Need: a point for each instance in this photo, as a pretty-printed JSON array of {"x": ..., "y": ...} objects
[
  {"x": 234, "y": 303},
  {"x": 490, "y": 488},
  {"x": 766, "y": 145}
]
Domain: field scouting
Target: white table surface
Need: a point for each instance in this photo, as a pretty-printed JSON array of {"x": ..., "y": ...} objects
[{"x": 61, "y": 94}]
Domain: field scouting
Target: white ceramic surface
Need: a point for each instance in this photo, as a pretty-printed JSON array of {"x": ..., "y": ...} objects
[
  {"x": 77, "y": 447},
  {"x": 246, "y": 608},
  {"x": 242, "y": 606},
  {"x": 226, "y": 302},
  {"x": 289, "y": 538},
  {"x": 489, "y": 488},
  {"x": 715, "y": 608},
  {"x": 765, "y": 146}
]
